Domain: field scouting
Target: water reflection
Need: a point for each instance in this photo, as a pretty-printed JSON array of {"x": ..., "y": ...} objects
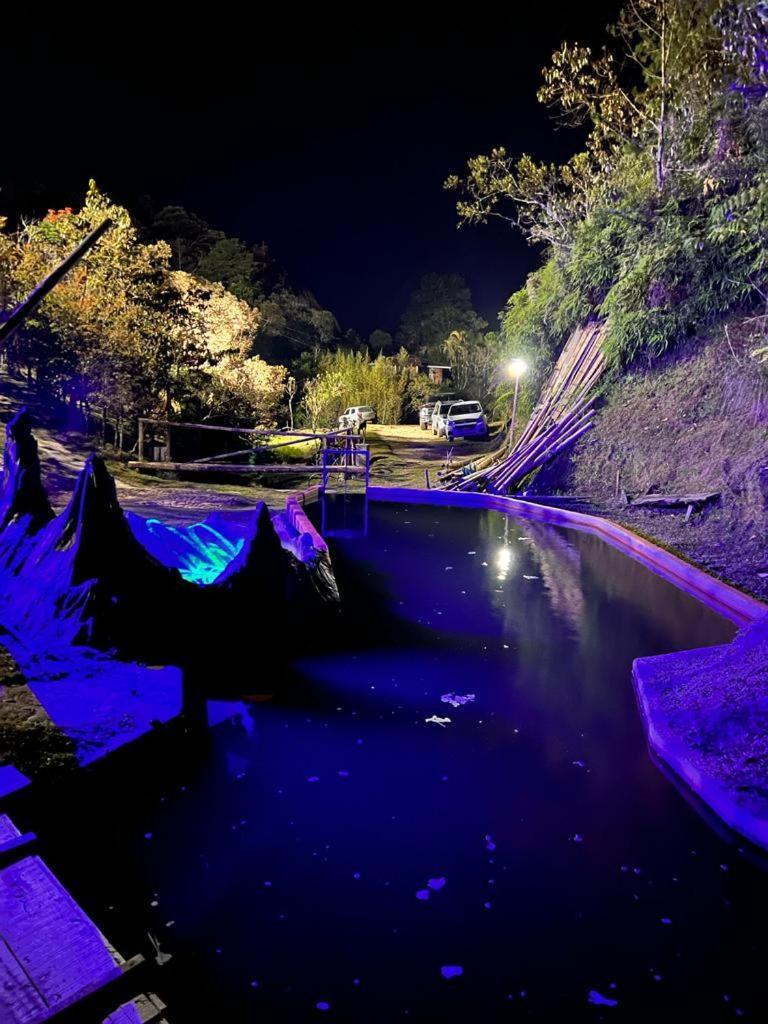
[{"x": 559, "y": 563}]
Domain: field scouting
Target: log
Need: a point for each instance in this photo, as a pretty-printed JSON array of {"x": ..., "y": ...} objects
[
  {"x": 214, "y": 467},
  {"x": 675, "y": 500}
]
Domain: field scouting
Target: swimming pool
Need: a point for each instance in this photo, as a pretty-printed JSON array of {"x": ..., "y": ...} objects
[{"x": 447, "y": 812}]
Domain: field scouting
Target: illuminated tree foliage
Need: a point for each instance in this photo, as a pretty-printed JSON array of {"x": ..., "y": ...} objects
[
  {"x": 124, "y": 334},
  {"x": 347, "y": 378},
  {"x": 660, "y": 221}
]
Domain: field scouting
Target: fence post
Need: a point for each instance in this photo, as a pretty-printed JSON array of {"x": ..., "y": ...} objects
[{"x": 141, "y": 440}]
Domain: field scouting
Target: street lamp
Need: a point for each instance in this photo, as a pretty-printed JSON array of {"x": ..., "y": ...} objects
[{"x": 515, "y": 369}]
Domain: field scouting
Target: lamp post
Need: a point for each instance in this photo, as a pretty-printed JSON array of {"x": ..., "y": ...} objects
[{"x": 515, "y": 369}]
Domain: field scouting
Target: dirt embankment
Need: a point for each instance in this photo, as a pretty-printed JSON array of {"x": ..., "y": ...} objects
[
  {"x": 29, "y": 740},
  {"x": 696, "y": 421}
]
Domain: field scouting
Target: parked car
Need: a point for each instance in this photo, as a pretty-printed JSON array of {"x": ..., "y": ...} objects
[
  {"x": 440, "y": 409},
  {"x": 461, "y": 419},
  {"x": 356, "y": 416},
  {"x": 426, "y": 410}
]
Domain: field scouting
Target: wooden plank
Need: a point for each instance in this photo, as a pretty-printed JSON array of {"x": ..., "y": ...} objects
[
  {"x": 674, "y": 500},
  {"x": 143, "y": 1009},
  {"x": 12, "y": 849},
  {"x": 8, "y": 830},
  {"x": 51, "y": 953},
  {"x": 197, "y": 467},
  {"x": 259, "y": 432}
]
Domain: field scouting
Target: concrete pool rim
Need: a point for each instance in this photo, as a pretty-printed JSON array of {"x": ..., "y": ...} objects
[{"x": 740, "y": 608}]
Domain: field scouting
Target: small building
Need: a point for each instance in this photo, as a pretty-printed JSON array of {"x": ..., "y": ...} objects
[{"x": 439, "y": 374}]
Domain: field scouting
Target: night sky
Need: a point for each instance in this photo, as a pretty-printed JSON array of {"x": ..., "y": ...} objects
[{"x": 326, "y": 137}]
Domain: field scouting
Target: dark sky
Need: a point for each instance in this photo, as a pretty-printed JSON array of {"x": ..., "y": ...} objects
[{"x": 325, "y": 136}]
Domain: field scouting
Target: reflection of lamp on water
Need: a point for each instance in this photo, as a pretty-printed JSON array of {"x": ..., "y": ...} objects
[
  {"x": 503, "y": 561},
  {"x": 515, "y": 369}
]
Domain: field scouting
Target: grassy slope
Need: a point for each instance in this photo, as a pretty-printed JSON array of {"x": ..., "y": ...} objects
[{"x": 696, "y": 421}]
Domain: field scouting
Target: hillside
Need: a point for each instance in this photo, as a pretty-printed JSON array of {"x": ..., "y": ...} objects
[{"x": 694, "y": 421}]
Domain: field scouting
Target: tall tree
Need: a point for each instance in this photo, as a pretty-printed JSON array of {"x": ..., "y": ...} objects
[{"x": 441, "y": 303}]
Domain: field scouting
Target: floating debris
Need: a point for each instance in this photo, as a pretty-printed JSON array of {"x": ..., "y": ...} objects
[
  {"x": 438, "y": 721},
  {"x": 456, "y": 700},
  {"x": 451, "y": 971},
  {"x": 530, "y": 577},
  {"x": 597, "y": 999},
  {"x": 578, "y": 764},
  {"x": 161, "y": 958}
]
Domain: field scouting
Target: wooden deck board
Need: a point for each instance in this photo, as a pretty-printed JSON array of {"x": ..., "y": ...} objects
[
  {"x": 51, "y": 954},
  {"x": 143, "y": 1009},
  {"x": 8, "y": 830}
]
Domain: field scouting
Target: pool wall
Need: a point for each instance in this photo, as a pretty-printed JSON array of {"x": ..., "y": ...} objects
[{"x": 726, "y": 600}]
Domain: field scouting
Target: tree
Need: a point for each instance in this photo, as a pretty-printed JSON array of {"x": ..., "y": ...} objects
[
  {"x": 290, "y": 393},
  {"x": 381, "y": 342},
  {"x": 672, "y": 49},
  {"x": 232, "y": 264},
  {"x": 189, "y": 237},
  {"x": 126, "y": 334},
  {"x": 440, "y": 304},
  {"x": 293, "y": 321},
  {"x": 352, "y": 378},
  {"x": 661, "y": 221}
]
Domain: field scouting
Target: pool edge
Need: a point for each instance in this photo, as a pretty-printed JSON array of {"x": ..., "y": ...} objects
[{"x": 740, "y": 608}]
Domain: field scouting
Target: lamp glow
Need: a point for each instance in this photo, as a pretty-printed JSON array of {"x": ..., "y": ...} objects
[{"x": 516, "y": 368}]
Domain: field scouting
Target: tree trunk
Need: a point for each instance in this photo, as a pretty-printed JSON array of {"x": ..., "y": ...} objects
[{"x": 662, "y": 126}]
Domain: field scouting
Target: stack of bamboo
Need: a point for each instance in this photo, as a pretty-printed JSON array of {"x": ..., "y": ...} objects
[{"x": 563, "y": 414}]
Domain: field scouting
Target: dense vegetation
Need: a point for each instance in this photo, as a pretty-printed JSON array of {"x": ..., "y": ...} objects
[
  {"x": 659, "y": 223},
  {"x": 171, "y": 317}
]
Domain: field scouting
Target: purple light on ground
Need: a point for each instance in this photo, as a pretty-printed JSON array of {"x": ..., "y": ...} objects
[
  {"x": 422, "y": 894},
  {"x": 322, "y": 1006},
  {"x": 436, "y": 884}
]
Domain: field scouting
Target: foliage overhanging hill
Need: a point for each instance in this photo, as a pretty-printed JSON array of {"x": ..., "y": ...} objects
[{"x": 660, "y": 223}]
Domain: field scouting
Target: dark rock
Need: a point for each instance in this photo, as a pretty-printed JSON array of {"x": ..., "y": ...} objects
[{"x": 23, "y": 494}]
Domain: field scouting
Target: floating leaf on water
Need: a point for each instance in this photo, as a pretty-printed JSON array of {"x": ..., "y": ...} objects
[
  {"x": 456, "y": 700},
  {"x": 451, "y": 971},
  {"x": 597, "y": 999}
]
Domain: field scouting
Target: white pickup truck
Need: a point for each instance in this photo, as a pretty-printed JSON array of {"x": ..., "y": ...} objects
[{"x": 459, "y": 419}]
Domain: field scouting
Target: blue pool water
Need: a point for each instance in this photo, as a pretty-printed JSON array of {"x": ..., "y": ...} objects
[{"x": 448, "y": 812}]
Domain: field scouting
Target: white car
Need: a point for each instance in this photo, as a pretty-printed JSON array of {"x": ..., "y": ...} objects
[
  {"x": 356, "y": 415},
  {"x": 426, "y": 410},
  {"x": 461, "y": 419},
  {"x": 440, "y": 408}
]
